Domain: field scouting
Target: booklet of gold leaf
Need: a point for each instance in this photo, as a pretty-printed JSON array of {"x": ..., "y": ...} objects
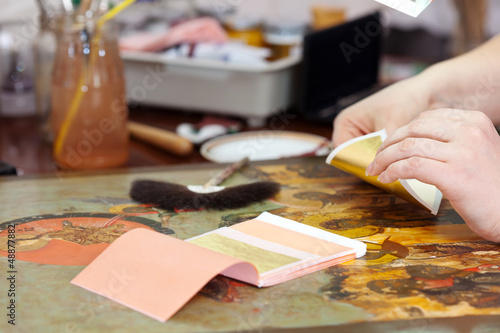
[
  {"x": 355, "y": 155},
  {"x": 157, "y": 274}
]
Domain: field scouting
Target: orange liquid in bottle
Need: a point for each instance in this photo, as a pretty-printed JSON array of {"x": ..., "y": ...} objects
[{"x": 97, "y": 136}]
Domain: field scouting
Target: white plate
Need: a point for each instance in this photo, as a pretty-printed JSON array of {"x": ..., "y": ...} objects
[{"x": 264, "y": 145}]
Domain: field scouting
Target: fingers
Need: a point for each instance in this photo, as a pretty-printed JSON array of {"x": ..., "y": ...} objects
[
  {"x": 426, "y": 170},
  {"x": 347, "y": 128},
  {"x": 421, "y": 148},
  {"x": 424, "y": 138},
  {"x": 430, "y": 124},
  {"x": 436, "y": 141}
]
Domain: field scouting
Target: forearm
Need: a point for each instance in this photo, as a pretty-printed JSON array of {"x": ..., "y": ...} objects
[{"x": 469, "y": 82}]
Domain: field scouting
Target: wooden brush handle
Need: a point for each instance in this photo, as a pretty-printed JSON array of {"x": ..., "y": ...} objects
[
  {"x": 164, "y": 139},
  {"x": 226, "y": 173}
]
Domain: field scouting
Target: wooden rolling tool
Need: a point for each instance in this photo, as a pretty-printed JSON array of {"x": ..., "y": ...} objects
[{"x": 161, "y": 138}]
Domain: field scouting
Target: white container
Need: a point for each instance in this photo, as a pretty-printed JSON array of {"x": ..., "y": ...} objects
[{"x": 251, "y": 92}]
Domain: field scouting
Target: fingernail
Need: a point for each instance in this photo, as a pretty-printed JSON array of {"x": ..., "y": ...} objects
[
  {"x": 381, "y": 177},
  {"x": 368, "y": 169}
]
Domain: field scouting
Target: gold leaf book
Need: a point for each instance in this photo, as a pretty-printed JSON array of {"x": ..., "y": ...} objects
[
  {"x": 157, "y": 274},
  {"x": 355, "y": 155}
]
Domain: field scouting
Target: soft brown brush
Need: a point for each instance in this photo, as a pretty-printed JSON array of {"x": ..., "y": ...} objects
[{"x": 170, "y": 196}]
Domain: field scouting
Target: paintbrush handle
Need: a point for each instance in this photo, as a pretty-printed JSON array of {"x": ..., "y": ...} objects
[
  {"x": 161, "y": 138},
  {"x": 226, "y": 173}
]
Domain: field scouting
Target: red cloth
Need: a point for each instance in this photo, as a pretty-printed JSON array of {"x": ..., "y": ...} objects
[{"x": 198, "y": 30}]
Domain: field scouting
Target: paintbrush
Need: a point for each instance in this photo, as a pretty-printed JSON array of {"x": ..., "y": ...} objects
[{"x": 172, "y": 196}]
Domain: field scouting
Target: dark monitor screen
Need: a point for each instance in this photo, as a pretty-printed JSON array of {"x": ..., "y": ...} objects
[{"x": 339, "y": 62}]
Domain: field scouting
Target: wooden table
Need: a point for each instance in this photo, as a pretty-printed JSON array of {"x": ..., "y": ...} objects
[{"x": 422, "y": 273}]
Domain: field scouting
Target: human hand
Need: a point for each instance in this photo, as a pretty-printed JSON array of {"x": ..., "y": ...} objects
[
  {"x": 469, "y": 81},
  {"x": 457, "y": 151},
  {"x": 387, "y": 109}
]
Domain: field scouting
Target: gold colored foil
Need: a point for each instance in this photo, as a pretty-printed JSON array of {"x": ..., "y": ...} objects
[
  {"x": 355, "y": 158},
  {"x": 262, "y": 259}
]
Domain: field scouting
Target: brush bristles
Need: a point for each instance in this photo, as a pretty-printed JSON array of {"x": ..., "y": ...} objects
[{"x": 169, "y": 196}]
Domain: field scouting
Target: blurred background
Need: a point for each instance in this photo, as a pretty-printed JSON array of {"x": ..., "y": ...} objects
[
  {"x": 443, "y": 20},
  {"x": 240, "y": 61}
]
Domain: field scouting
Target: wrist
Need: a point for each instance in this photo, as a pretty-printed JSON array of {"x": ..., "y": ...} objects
[{"x": 436, "y": 89}]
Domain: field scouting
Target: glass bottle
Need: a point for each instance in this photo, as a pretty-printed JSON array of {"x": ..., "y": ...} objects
[
  {"x": 17, "y": 95},
  {"x": 44, "y": 48},
  {"x": 17, "y": 92},
  {"x": 89, "y": 112}
]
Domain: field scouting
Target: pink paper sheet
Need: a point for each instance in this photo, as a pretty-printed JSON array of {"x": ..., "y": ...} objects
[
  {"x": 138, "y": 271},
  {"x": 289, "y": 238}
]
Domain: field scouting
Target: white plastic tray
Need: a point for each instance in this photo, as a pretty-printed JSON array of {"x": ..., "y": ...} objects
[{"x": 250, "y": 92}]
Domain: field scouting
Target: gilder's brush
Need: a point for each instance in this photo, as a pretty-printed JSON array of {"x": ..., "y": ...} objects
[{"x": 171, "y": 196}]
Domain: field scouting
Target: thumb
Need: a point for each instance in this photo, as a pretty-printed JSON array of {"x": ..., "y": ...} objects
[{"x": 345, "y": 129}]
